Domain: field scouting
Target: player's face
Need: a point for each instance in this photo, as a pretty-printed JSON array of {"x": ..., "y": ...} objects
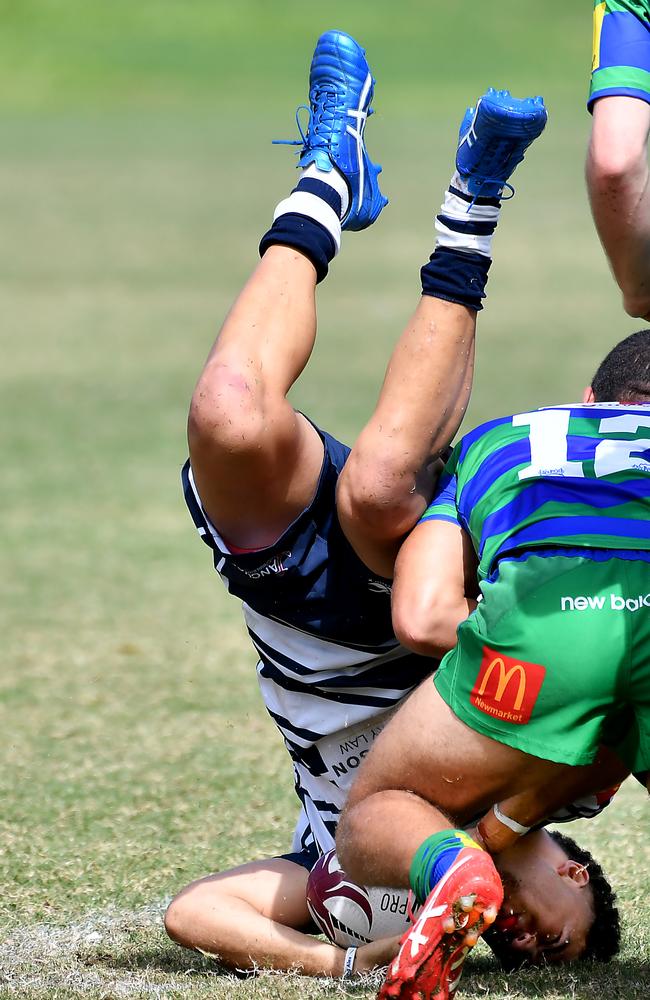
[{"x": 547, "y": 911}]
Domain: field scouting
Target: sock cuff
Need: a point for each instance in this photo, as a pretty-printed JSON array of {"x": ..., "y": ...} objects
[
  {"x": 313, "y": 207},
  {"x": 303, "y": 234},
  {"x": 434, "y": 857},
  {"x": 456, "y": 275}
]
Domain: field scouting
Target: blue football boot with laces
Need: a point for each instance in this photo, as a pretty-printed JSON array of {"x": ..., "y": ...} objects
[
  {"x": 341, "y": 88},
  {"x": 493, "y": 139}
]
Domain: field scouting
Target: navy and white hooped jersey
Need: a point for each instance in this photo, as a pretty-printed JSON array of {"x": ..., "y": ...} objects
[{"x": 330, "y": 669}]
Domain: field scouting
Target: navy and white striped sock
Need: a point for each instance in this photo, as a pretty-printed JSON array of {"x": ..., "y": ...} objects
[
  {"x": 466, "y": 222},
  {"x": 458, "y": 268},
  {"x": 310, "y": 218}
]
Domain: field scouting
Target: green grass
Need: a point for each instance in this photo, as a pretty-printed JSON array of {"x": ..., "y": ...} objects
[{"x": 136, "y": 176}]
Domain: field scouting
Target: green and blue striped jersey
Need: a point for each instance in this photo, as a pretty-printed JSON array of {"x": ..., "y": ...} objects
[
  {"x": 562, "y": 476},
  {"x": 621, "y": 52}
]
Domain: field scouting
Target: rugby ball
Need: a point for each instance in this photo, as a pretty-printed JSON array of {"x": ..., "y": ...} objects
[{"x": 349, "y": 914}]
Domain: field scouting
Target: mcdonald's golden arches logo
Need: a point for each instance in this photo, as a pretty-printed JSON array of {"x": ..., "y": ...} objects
[{"x": 507, "y": 689}]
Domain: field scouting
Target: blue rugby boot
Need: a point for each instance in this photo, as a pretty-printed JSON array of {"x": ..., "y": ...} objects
[
  {"x": 494, "y": 137},
  {"x": 341, "y": 88}
]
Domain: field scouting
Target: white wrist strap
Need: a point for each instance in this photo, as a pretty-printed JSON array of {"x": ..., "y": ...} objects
[
  {"x": 348, "y": 963},
  {"x": 512, "y": 824}
]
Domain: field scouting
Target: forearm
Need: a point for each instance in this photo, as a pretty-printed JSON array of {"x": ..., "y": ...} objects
[
  {"x": 240, "y": 937},
  {"x": 498, "y": 829},
  {"x": 434, "y": 588},
  {"x": 618, "y": 185}
]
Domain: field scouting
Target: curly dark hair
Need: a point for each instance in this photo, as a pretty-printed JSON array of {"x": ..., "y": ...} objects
[
  {"x": 604, "y": 937},
  {"x": 624, "y": 375}
]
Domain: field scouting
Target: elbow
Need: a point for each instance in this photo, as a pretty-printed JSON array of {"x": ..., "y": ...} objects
[
  {"x": 376, "y": 500},
  {"x": 613, "y": 166},
  {"x": 426, "y": 630},
  {"x": 177, "y": 922}
]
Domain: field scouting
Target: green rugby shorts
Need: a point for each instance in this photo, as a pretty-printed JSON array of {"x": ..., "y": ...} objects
[{"x": 557, "y": 651}]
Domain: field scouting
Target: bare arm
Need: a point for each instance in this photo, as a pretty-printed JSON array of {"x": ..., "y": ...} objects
[
  {"x": 539, "y": 802},
  {"x": 618, "y": 185},
  {"x": 435, "y": 587},
  {"x": 251, "y": 917}
]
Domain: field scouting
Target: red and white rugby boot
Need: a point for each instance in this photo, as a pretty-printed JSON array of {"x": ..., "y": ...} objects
[{"x": 458, "y": 909}]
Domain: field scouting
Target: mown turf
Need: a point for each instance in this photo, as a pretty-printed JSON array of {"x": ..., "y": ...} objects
[{"x": 136, "y": 176}]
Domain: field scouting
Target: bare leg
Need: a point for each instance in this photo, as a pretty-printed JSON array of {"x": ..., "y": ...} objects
[
  {"x": 617, "y": 181},
  {"x": 425, "y": 767},
  {"x": 253, "y": 917},
  {"x": 255, "y": 460},
  {"x": 387, "y": 481},
  {"x": 389, "y": 477}
]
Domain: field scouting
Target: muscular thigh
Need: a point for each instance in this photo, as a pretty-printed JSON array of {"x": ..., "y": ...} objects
[
  {"x": 254, "y": 500},
  {"x": 427, "y": 749}
]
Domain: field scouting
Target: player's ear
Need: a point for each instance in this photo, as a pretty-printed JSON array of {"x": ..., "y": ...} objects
[
  {"x": 575, "y": 871},
  {"x": 588, "y": 395}
]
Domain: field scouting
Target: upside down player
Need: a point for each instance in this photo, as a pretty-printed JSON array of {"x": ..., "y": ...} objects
[
  {"x": 330, "y": 668},
  {"x": 552, "y": 509}
]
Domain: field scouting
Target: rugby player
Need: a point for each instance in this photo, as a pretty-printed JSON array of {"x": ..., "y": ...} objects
[
  {"x": 261, "y": 487},
  {"x": 617, "y": 160},
  {"x": 550, "y": 512}
]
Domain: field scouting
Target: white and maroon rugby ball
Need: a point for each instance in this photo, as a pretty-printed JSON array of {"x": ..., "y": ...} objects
[{"x": 347, "y": 913}]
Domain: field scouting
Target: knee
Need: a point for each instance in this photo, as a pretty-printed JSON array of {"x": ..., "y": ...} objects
[
  {"x": 228, "y": 412},
  {"x": 349, "y": 835}
]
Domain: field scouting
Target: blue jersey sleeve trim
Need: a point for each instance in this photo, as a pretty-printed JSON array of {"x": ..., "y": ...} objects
[
  {"x": 641, "y": 95},
  {"x": 443, "y": 499},
  {"x": 439, "y": 516}
]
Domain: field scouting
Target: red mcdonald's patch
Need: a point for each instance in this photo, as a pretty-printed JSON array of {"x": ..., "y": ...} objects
[{"x": 507, "y": 689}]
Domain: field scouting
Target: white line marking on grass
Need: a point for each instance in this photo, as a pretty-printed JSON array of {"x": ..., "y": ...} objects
[
  {"x": 126, "y": 953},
  {"x": 98, "y": 953}
]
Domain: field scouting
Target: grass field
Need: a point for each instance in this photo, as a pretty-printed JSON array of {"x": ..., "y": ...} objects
[{"x": 136, "y": 177}]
